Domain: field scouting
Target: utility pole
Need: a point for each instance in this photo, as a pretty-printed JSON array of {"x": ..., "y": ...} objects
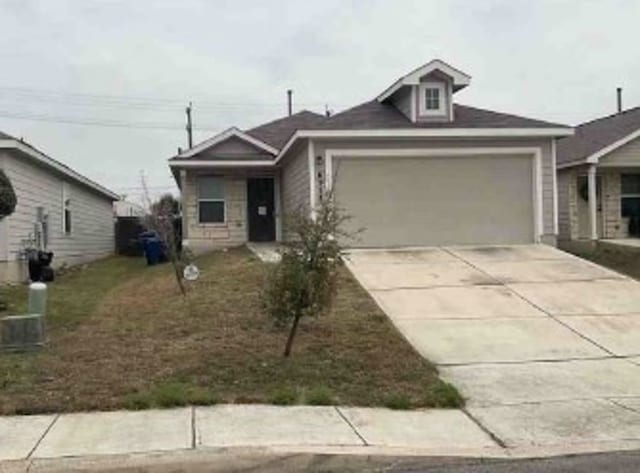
[
  {"x": 189, "y": 126},
  {"x": 290, "y": 101}
]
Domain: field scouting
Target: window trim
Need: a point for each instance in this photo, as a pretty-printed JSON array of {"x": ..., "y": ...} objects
[
  {"x": 422, "y": 98},
  {"x": 223, "y": 200}
]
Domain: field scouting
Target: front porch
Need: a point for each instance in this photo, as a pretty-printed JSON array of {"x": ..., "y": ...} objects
[
  {"x": 230, "y": 207},
  {"x": 603, "y": 203}
]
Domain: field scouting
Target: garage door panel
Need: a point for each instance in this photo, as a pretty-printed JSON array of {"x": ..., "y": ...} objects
[{"x": 437, "y": 200}]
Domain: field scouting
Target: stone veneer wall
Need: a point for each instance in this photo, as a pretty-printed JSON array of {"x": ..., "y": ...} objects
[
  {"x": 611, "y": 207},
  {"x": 205, "y": 236}
]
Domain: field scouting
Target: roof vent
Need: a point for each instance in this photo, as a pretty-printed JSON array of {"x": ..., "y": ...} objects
[{"x": 619, "y": 94}]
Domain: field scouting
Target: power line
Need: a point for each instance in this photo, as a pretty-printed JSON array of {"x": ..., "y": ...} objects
[
  {"x": 130, "y": 101},
  {"x": 95, "y": 122}
]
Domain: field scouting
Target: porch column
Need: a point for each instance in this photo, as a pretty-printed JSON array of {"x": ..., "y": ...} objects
[{"x": 593, "y": 203}]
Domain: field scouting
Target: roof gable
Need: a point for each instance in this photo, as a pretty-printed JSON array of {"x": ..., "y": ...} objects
[
  {"x": 458, "y": 78},
  {"x": 223, "y": 138}
]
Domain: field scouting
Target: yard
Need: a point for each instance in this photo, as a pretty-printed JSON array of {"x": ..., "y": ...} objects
[
  {"x": 120, "y": 336},
  {"x": 621, "y": 259}
]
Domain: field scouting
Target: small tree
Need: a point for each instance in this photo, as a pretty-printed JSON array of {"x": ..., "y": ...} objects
[
  {"x": 8, "y": 203},
  {"x": 166, "y": 204},
  {"x": 161, "y": 218},
  {"x": 8, "y": 199},
  {"x": 303, "y": 283}
]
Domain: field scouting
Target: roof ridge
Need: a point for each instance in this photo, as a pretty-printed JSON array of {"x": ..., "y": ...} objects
[
  {"x": 612, "y": 115},
  {"x": 275, "y": 120}
]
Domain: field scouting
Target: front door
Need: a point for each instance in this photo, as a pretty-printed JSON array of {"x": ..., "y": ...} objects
[{"x": 260, "y": 200}]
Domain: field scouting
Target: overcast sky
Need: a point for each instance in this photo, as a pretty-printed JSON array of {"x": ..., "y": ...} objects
[{"x": 137, "y": 63}]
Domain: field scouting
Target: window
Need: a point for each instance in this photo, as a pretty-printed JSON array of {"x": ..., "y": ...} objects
[
  {"x": 630, "y": 195},
  {"x": 211, "y": 206},
  {"x": 66, "y": 209},
  {"x": 432, "y": 98}
]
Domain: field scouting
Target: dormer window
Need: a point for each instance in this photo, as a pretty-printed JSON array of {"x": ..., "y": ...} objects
[{"x": 432, "y": 98}]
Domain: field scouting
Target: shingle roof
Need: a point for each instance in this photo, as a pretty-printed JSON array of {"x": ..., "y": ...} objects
[
  {"x": 277, "y": 132},
  {"x": 591, "y": 137},
  {"x": 373, "y": 115}
]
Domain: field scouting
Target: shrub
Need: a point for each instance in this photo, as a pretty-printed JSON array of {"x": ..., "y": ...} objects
[{"x": 7, "y": 196}]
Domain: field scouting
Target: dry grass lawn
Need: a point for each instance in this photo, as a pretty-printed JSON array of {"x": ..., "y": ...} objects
[
  {"x": 621, "y": 259},
  {"x": 120, "y": 336}
]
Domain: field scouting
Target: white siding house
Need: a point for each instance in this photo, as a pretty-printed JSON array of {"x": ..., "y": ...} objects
[{"x": 57, "y": 210}]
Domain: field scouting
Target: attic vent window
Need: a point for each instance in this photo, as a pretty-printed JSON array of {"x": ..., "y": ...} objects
[{"x": 432, "y": 98}]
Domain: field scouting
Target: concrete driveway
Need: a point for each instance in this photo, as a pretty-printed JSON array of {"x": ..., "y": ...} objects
[{"x": 545, "y": 346}]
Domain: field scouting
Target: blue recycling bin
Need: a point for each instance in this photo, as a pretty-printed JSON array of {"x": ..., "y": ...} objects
[{"x": 153, "y": 248}]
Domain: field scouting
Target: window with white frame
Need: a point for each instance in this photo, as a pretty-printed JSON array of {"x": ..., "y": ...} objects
[
  {"x": 66, "y": 209},
  {"x": 630, "y": 195},
  {"x": 432, "y": 98},
  {"x": 211, "y": 204}
]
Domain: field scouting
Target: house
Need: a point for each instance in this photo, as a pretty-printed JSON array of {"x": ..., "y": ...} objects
[
  {"x": 411, "y": 167},
  {"x": 57, "y": 210},
  {"x": 599, "y": 179},
  {"x": 125, "y": 208}
]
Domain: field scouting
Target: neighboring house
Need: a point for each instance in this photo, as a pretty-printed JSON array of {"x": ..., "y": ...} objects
[
  {"x": 124, "y": 208},
  {"x": 599, "y": 179},
  {"x": 410, "y": 166},
  {"x": 58, "y": 210}
]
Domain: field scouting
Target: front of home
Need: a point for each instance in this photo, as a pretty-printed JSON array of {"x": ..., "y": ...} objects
[
  {"x": 57, "y": 210},
  {"x": 411, "y": 167},
  {"x": 599, "y": 179}
]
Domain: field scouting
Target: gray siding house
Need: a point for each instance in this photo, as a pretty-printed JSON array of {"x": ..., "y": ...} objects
[
  {"x": 57, "y": 210},
  {"x": 599, "y": 179},
  {"x": 411, "y": 166}
]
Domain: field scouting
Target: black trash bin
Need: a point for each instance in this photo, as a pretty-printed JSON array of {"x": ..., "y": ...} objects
[{"x": 40, "y": 266}]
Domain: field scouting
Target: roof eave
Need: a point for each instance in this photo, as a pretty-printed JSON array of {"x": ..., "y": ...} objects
[
  {"x": 51, "y": 163},
  {"x": 594, "y": 158},
  {"x": 546, "y": 132}
]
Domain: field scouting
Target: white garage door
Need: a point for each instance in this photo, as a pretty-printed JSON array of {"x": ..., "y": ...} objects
[{"x": 437, "y": 200}]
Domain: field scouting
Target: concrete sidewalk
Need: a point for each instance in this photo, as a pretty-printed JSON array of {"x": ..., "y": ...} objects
[
  {"x": 296, "y": 428},
  {"x": 28, "y": 443}
]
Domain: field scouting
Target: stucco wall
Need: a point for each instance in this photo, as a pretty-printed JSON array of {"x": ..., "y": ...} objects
[{"x": 92, "y": 233}]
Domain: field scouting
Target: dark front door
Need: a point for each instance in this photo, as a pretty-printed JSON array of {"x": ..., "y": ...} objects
[{"x": 262, "y": 222}]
